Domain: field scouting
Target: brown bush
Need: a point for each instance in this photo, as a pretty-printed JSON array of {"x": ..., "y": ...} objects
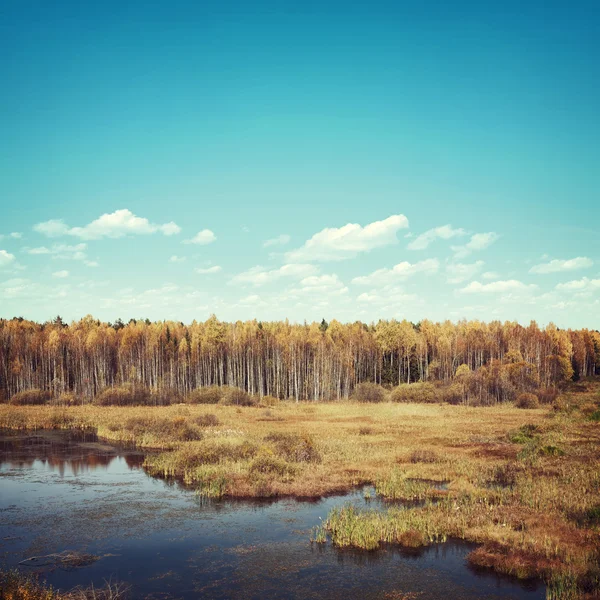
[
  {"x": 237, "y": 397},
  {"x": 212, "y": 452},
  {"x": 505, "y": 475},
  {"x": 547, "y": 395},
  {"x": 67, "y": 399},
  {"x": 415, "y": 392},
  {"x": 563, "y": 403},
  {"x": 177, "y": 429},
  {"x": 369, "y": 392},
  {"x": 30, "y": 398},
  {"x": 452, "y": 394},
  {"x": 271, "y": 465},
  {"x": 165, "y": 397},
  {"x": 295, "y": 447},
  {"x": 527, "y": 401},
  {"x": 124, "y": 395},
  {"x": 269, "y": 401},
  {"x": 209, "y": 420},
  {"x": 424, "y": 456},
  {"x": 205, "y": 395}
]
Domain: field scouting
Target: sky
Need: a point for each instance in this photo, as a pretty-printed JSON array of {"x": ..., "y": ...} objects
[{"x": 300, "y": 160}]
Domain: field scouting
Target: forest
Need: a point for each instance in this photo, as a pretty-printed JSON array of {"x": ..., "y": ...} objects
[{"x": 490, "y": 362}]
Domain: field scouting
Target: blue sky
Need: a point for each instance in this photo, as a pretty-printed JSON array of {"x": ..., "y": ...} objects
[{"x": 152, "y": 150}]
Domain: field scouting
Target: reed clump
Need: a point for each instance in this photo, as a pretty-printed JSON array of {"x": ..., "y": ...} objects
[
  {"x": 295, "y": 447},
  {"x": 30, "y": 398},
  {"x": 416, "y": 392},
  {"x": 205, "y": 395},
  {"x": 15, "y": 585},
  {"x": 369, "y": 392},
  {"x": 398, "y": 486}
]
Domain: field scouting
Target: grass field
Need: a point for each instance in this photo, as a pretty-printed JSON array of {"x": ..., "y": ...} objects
[{"x": 525, "y": 484}]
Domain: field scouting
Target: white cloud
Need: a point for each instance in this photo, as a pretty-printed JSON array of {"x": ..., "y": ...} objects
[
  {"x": 557, "y": 265},
  {"x": 261, "y": 275},
  {"x": 322, "y": 284},
  {"x": 15, "y": 288},
  {"x": 63, "y": 251},
  {"x": 251, "y": 300},
  {"x": 52, "y": 228},
  {"x": 400, "y": 271},
  {"x": 491, "y": 275},
  {"x": 280, "y": 240},
  {"x": 459, "y": 272},
  {"x": 6, "y": 258},
  {"x": 170, "y": 228},
  {"x": 388, "y": 297},
  {"x": 346, "y": 242},
  {"x": 112, "y": 225},
  {"x": 478, "y": 241},
  {"x": 510, "y": 285},
  {"x": 445, "y": 232},
  {"x": 206, "y": 236},
  {"x": 580, "y": 285},
  {"x": 14, "y": 235},
  {"x": 208, "y": 270},
  {"x": 60, "y": 274},
  {"x": 176, "y": 259}
]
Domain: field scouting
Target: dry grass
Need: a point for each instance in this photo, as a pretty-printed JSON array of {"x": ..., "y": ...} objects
[
  {"x": 15, "y": 585},
  {"x": 522, "y": 482}
]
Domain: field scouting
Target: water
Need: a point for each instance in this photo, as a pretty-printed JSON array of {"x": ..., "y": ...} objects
[{"x": 61, "y": 491}]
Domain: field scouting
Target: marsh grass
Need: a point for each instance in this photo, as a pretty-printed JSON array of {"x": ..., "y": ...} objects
[
  {"x": 398, "y": 486},
  {"x": 524, "y": 484},
  {"x": 16, "y": 585}
]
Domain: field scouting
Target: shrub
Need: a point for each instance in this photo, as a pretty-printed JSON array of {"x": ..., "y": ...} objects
[
  {"x": 269, "y": 401},
  {"x": 238, "y": 397},
  {"x": 208, "y": 420},
  {"x": 563, "y": 403},
  {"x": 295, "y": 447},
  {"x": 524, "y": 434},
  {"x": 547, "y": 395},
  {"x": 67, "y": 399},
  {"x": 30, "y": 398},
  {"x": 527, "y": 401},
  {"x": 424, "y": 456},
  {"x": 368, "y": 392},
  {"x": 164, "y": 397},
  {"x": 265, "y": 464},
  {"x": 505, "y": 475},
  {"x": 205, "y": 395},
  {"x": 452, "y": 394},
  {"x": 415, "y": 392},
  {"x": 210, "y": 452},
  {"x": 124, "y": 395}
]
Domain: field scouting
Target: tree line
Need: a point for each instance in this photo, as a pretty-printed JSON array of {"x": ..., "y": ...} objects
[{"x": 316, "y": 361}]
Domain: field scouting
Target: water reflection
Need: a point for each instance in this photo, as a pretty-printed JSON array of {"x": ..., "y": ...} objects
[
  {"x": 64, "y": 452},
  {"x": 62, "y": 491}
]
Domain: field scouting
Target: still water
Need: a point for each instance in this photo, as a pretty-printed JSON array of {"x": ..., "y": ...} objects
[{"x": 65, "y": 491}]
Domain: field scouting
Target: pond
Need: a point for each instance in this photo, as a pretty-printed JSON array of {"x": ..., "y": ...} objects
[{"x": 68, "y": 491}]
